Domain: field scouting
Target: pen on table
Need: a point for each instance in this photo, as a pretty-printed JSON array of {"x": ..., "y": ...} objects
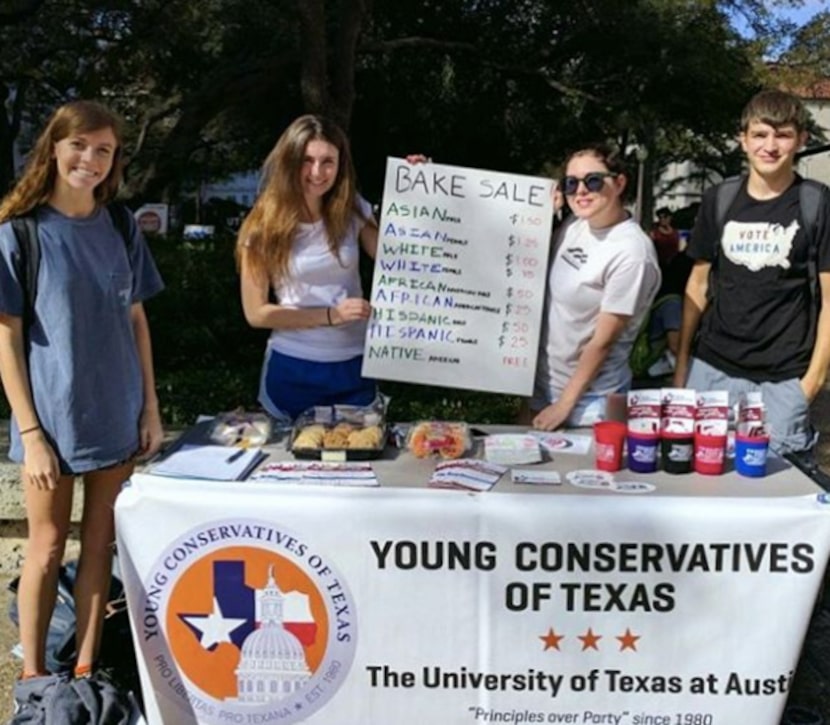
[{"x": 233, "y": 456}]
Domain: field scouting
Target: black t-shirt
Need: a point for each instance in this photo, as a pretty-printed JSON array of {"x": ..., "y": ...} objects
[{"x": 758, "y": 323}]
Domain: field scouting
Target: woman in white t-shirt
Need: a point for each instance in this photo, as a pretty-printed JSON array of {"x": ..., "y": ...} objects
[
  {"x": 602, "y": 280},
  {"x": 302, "y": 241}
]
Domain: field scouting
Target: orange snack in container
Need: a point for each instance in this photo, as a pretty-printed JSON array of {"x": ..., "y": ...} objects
[{"x": 443, "y": 438}]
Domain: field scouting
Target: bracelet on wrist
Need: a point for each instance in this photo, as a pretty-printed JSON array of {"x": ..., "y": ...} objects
[
  {"x": 31, "y": 429},
  {"x": 328, "y": 316}
]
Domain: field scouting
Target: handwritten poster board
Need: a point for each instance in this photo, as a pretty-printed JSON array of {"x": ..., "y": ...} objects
[{"x": 459, "y": 279}]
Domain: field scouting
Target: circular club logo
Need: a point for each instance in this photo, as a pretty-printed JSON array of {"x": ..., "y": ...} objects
[
  {"x": 244, "y": 621},
  {"x": 555, "y": 442}
]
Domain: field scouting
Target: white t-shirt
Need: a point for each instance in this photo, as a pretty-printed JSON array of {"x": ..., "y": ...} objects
[
  {"x": 608, "y": 270},
  {"x": 319, "y": 279}
]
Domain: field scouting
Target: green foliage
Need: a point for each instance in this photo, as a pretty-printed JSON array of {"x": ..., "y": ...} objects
[
  {"x": 207, "y": 357},
  {"x": 423, "y": 402}
]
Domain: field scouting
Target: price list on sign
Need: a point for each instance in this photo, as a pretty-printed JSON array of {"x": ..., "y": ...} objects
[{"x": 459, "y": 280}]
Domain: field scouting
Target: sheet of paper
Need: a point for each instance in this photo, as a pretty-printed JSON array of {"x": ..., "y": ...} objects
[
  {"x": 467, "y": 473},
  {"x": 508, "y": 448},
  {"x": 218, "y": 463}
]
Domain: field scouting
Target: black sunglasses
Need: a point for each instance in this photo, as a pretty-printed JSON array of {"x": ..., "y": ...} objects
[{"x": 593, "y": 182}]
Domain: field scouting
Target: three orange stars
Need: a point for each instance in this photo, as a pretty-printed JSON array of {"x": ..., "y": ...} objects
[{"x": 590, "y": 640}]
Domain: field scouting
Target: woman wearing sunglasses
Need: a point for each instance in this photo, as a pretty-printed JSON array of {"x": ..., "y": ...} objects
[{"x": 602, "y": 280}]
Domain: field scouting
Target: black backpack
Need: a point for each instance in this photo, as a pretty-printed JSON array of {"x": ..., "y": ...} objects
[
  {"x": 27, "y": 262},
  {"x": 117, "y": 652}
]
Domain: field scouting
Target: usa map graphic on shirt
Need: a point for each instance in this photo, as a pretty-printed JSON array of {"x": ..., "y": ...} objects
[{"x": 756, "y": 245}]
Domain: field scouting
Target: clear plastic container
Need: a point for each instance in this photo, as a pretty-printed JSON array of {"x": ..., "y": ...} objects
[
  {"x": 445, "y": 439},
  {"x": 348, "y": 431},
  {"x": 238, "y": 428}
]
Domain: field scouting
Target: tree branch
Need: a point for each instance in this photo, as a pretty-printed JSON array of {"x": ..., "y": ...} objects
[{"x": 541, "y": 73}]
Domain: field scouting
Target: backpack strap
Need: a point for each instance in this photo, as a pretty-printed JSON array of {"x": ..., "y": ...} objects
[
  {"x": 27, "y": 264},
  {"x": 122, "y": 220},
  {"x": 809, "y": 202},
  {"x": 810, "y": 196},
  {"x": 726, "y": 193}
]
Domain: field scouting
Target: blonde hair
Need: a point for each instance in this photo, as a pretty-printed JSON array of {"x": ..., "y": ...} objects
[
  {"x": 37, "y": 183},
  {"x": 267, "y": 234}
]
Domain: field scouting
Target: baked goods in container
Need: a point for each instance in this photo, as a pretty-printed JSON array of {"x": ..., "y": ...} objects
[
  {"x": 443, "y": 438},
  {"x": 337, "y": 437},
  {"x": 340, "y": 432},
  {"x": 369, "y": 437},
  {"x": 310, "y": 437}
]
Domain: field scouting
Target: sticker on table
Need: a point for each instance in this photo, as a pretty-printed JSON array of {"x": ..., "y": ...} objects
[
  {"x": 536, "y": 477},
  {"x": 634, "y": 487},
  {"x": 591, "y": 478},
  {"x": 563, "y": 442}
]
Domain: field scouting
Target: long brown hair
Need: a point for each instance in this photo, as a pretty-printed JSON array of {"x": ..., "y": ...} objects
[
  {"x": 266, "y": 235},
  {"x": 37, "y": 183}
]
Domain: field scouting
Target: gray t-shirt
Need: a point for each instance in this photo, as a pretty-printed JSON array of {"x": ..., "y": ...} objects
[
  {"x": 610, "y": 270},
  {"x": 83, "y": 360}
]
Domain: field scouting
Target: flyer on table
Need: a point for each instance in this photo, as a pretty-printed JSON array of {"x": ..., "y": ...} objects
[{"x": 459, "y": 279}]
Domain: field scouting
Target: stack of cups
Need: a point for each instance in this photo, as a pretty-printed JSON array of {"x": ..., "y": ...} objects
[
  {"x": 643, "y": 419},
  {"x": 751, "y": 436},
  {"x": 677, "y": 427},
  {"x": 711, "y": 425}
]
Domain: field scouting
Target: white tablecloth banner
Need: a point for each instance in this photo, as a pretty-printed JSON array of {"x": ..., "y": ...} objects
[{"x": 260, "y": 603}]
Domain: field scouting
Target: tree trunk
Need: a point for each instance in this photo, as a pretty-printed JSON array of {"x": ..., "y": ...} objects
[{"x": 314, "y": 68}]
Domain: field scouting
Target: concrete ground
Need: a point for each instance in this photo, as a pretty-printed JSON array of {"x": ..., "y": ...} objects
[{"x": 811, "y": 687}]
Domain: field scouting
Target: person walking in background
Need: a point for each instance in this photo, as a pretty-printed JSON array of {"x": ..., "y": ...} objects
[
  {"x": 655, "y": 351},
  {"x": 755, "y": 316},
  {"x": 77, "y": 371},
  {"x": 665, "y": 237},
  {"x": 301, "y": 241},
  {"x": 602, "y": 280}
]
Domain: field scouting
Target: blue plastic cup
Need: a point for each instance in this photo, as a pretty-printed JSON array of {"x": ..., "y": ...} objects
[
  {"x": 751, "y": 455},
  {"x": 642, "y": 452}
]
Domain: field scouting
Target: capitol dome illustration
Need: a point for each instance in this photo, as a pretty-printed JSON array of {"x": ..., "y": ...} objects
[{"x": 272, "y": 663}]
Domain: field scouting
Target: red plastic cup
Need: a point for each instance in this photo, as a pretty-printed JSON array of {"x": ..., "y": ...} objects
[
  {"x": 710, "y": 454},
  {"x": 609, "y": 436}
]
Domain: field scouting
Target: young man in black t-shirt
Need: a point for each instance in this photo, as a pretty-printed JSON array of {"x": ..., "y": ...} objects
[{"x": 753, "y": 322}]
